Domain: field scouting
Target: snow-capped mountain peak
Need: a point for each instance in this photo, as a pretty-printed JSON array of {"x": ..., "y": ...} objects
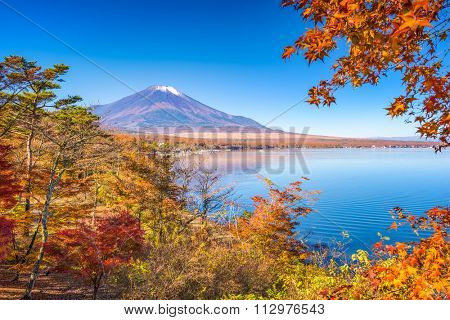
[{"x": 166, "y": 89}]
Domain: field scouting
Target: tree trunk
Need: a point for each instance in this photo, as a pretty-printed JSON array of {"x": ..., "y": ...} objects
[
  {"x": 44, "y": 219},
  {"x": 97, "y": 284},
  {"x": 94, "y": 294},
  {"x": 37, "y": 264},
  {"x": 95, "y": 201},
  {"x": 23, "y": 259},
  {"x": 33, "y": 240},
  {"x": 29, "y": 170},
  {"x": 16, "y": 255}
]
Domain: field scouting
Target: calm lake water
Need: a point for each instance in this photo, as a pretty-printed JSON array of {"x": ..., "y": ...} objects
[{"x": 358, "y": 187}]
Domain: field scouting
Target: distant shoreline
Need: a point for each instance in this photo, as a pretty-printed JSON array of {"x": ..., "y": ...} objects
[
  {"x": 188, "y": 152},
  {"x": 236, "y": 141}
]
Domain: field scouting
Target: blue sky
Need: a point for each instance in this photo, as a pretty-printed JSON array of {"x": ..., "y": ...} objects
[{"x": 225, "y": 54}]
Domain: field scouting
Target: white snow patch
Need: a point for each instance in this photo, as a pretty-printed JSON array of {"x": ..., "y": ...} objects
[{"x": 168, "y": 89}]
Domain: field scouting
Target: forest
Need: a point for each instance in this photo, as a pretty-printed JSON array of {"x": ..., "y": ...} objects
[{"x": 86, "y": 213}]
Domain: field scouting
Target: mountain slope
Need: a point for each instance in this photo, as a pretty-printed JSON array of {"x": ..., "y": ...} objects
[{"x": 166, "y": 107}]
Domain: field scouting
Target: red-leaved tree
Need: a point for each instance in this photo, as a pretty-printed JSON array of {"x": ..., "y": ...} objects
[{"x": 94, "y": 252}]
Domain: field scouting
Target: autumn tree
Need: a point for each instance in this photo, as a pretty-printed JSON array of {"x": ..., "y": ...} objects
[
  {"x": 405, "y": 36},
  {"x": 273, "y": 223},
  {"x": 68, "y": 132},
  {"x": 93, "y": 251},
  {"x": 144, "y": 185},
  {"x": 27, "y": 95},
  {"x": 26, "y": 109}
]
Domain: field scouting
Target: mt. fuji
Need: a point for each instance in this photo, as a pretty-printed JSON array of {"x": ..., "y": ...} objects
[{"x": 166, "y": 107}]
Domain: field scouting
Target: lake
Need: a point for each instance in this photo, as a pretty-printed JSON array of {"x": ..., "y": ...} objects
[{"x": 358, "y": 187}]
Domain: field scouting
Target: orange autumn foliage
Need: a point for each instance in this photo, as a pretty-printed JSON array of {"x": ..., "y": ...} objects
[
  {"x": 6, "y": 237},
  {"x": 272, "y": 225},
  {"x": 384, "y": 36},
  {"x": 415, "y": 270},
  {"x": 9, "y": 187}
]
